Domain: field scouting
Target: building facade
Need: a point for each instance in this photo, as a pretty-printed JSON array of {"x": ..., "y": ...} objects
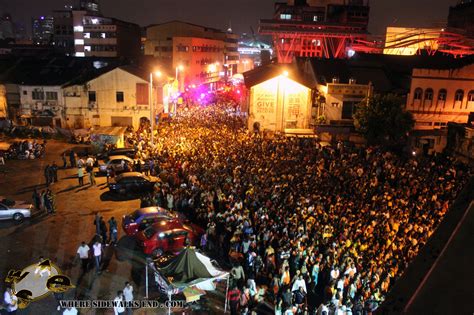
[
  {"x": 86, "y": 33},
  {"x": 114, "y": 98},
  {"x": 199, "y": 54},
  {"x": 278, "y": 100},
  {"x": 437, "y": 97},
  {"x": 42, "y": 105}
]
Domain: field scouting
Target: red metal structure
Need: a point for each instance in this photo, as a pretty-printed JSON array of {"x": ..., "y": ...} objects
[
  {"x": 338, "y": 28},
  {"x": 316, "y": 28}
]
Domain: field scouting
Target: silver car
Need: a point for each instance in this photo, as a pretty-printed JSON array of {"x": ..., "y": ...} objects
[{"x": 17, "y": 212}]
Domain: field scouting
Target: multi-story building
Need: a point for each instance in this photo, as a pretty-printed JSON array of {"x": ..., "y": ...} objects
[
  {"x": 316, "y": 28},
  {"x": 438, "y": 96},
  {"x": 84, "y": 32},
  {"x": 43, "y": 30},
  {"x": 104, "y": 37},
  {"x": 199, "y": 54}
]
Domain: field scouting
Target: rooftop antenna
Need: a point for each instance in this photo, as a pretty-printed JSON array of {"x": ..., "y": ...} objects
[{"x": 229, "y": 30}]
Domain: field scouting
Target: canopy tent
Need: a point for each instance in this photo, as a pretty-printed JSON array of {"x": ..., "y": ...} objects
[{"x": 189, "y": 269}]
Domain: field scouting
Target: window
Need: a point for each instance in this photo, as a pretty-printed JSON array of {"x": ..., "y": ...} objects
[
  {"x": 119, "y": 97},
  {"x": 37, "y": 95},
  {"x": 25, "y": 92},
  {"x": 470, "y": 96},
  {"x": 315, "y": 18},
  {"x": 442, "y": 95},
  {"x": 459, "y": 95},
  {"x": 418, "y": 93},
  {"x": 92, "y": 96},
  {"x": 142, "y": 93},
  {"x": 182, "y": 48},
  {"x": 52, "y": 96},
  {"x": 285, "y": 16},
  {"x": 428, "y": 94}
]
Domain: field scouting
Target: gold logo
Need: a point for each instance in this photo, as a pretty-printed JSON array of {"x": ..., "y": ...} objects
[{"x": 37, "y": 281}]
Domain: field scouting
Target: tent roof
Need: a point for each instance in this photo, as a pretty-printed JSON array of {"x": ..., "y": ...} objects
[{"x": 189, "y": 266}]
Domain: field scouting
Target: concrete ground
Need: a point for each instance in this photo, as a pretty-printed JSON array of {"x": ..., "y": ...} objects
[{"x": 57, "y": 236}]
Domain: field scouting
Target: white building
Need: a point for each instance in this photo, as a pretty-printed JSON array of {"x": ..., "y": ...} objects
[
  {"x": 439, "y": 96},
  {"x": 117, "y": 97},
  {"x": 42, "y": 105}
]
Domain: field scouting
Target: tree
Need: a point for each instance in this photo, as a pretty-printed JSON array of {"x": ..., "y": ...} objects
[{"x": 383, "y": 121}]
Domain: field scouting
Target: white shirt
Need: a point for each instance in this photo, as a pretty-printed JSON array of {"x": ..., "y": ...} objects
[
  {"x": 119, "y": 308},
  {"x": 83, "y": 251},
  {"x": 97, "y": 249},
  {"x": 90, "y": 161},
  {"x": 297, "y": 284},
  {"x": 11, "y": 301},
  {"x": 128, "y": 293},
  {"x": 70, "y": 311}
]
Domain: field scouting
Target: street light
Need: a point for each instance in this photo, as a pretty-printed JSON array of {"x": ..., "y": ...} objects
[
  {"x": 179, "y": 68},
  {"x": 150, "y": 100}
]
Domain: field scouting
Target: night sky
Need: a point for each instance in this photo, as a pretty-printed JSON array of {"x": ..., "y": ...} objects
[{"x": 242, "y": 13}]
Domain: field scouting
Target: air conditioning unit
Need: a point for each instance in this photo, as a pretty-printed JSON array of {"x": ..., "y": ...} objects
[{"x": 39, "y": 105}]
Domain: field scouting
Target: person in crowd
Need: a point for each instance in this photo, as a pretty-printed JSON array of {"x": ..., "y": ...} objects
[
  {"x": 113, "y": 231},
  {"x": 10, "y": 301},
  {"x": 97, "y": 248},
  {"x": 234, "y": 299},
  {"x": 128, "y": 296},
  {"x": 64, "y": 159},
  {"x": 80, "y": 175},
  {"x": 72, "y": 158},
  {"x": 83, "y": 254},
  {"x": 36, "y": 199},
  {"x": 119, "y": 308},
  {"x": 47, "y": 175},
  {"x": 54, "y": 172}
]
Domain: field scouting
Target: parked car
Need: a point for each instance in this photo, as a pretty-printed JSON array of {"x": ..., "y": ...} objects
[
  {"x": 142, "y": 218},
  {"x": 118, "y": 163},
  {"x": 132, "y": 182},
  {"x": 130, "y": 152},
  {"x": 168, "y": 236},
  {"x": 15, "y": 210}
]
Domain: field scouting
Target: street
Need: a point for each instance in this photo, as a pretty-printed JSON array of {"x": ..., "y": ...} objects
[{"x": 58, "y": 236}]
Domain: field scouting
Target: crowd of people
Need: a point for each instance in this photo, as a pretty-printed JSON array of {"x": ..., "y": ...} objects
[{"x": 309, "y": 227}]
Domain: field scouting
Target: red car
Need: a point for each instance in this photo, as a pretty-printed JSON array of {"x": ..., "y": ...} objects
[
  {"x": 171, "y": 236},
  {"x": 142, "y": 218}
]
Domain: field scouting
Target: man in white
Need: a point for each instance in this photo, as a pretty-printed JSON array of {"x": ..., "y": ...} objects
[
  {"x": 10, "y": 300},
  {"x": 299, "y": 282},
  {"x": 70, "y": 311},
  {"x": 119, "y": 308},
  {"x": 128, "y": 295},
  {"x": 83, "y": 253},
  {"x": 97, "y": 255}
]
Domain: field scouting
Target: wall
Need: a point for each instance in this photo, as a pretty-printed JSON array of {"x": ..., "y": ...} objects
[
  {"x": 100, "y": 113},
  {"x": 278, "y": 104},
  {"x": 42, "y": 107},
  {"x": 338, "y": 93},
  {"x": 3, "y": 102}
]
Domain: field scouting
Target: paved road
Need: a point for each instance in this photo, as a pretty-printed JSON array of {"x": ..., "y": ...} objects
[{"x": 57, "y": 236}]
